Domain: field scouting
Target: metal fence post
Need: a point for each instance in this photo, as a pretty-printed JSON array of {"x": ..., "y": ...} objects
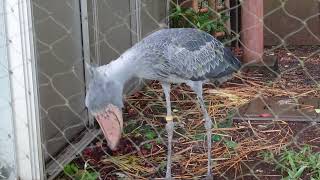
[{"x": 23, "y": 80}]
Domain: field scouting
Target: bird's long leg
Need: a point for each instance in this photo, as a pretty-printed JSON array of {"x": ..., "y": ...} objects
[
  {"x": 196, "y": 86},
  {"x": 208, "y": 126},
  {"x": 169, "y": 127}
]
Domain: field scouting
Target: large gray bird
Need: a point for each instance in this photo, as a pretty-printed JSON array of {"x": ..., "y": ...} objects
[{"x": 183, "y": 55}]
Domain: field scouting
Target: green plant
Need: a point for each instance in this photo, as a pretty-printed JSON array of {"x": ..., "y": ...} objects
[
  {"x": 202, "y": 136},
  {"x": 296, "y": 164},
  {"x": 186, "y": 17},
  {"x": 228, "y": 120},
  {"x": 230, "y": 144},
  {"x": 148, "y": 134},
  {"x": 143, "y": 131},
  {"x": 74, "y": 172}
]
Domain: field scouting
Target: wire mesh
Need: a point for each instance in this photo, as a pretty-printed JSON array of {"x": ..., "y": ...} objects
[{"x": 242, "y": 149}]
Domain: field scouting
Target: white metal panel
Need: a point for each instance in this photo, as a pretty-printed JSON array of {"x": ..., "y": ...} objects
[
  {"x": 7, "y": 151},
  {"x": 24, "y": 92}
]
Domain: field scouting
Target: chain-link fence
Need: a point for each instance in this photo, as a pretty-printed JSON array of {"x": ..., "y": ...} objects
[{"x": 266, "y": 119}]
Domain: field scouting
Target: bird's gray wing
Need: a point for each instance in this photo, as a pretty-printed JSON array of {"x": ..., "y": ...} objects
[
  {"x": 188, "y": 54},
  {"x": 194, "y": 56}
]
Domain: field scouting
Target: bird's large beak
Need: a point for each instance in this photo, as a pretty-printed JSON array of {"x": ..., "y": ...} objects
[{"x": 111, "y": 124}]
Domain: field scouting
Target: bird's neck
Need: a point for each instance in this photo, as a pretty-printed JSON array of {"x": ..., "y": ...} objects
[{"x": 121, "y": 70}]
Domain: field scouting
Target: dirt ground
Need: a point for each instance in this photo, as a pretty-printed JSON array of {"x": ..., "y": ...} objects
[{"x": 237, "y": 145}]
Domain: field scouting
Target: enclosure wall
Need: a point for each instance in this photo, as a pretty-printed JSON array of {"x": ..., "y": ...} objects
[
  {"x": 296, "y": 22},
  {"x": 114, "y": 26},
  {"x": 60, "y": 72}
]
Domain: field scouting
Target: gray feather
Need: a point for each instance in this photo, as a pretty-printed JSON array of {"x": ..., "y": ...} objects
[{"x": 182, "y": 54}]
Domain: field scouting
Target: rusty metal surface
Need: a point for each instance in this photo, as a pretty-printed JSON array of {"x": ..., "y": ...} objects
[{"x": 286, "y": 109}]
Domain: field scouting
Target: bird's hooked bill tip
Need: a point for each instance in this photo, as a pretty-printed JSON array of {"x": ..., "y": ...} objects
[{"x": 111, "y": 124}]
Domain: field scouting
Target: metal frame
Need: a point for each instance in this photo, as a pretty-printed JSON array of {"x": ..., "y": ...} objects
[
  {"x": 168, "y": 12},
  {"x": 95, "y": 10},
  {"x": 55, "y": 167},
  {"x": 86, "y": 47},
  {"x": 21, "y": 59},
  {"x": 135, "y": 8},
  {"x": 9, "y": 129}
]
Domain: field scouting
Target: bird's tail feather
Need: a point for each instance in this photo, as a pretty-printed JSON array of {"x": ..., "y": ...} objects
[{"x": 230, "y": 58}]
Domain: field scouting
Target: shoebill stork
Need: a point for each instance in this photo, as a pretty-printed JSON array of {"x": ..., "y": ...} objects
[{"x": 180, "y": 55}]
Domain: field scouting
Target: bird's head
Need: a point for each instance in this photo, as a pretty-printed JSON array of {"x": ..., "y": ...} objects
[{"x": 104, "y": 102}]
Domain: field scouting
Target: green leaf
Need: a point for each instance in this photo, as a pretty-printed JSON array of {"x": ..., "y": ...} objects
[
  {"x": 208, "y": 27},
  {"x": 189, "y": 12},
  {"x": 158, "y": 141},
  {"x": 147, "y": 146},
  {"x": 231, "y": 144},
  {"x": 291, "y": 162},
  {"x": 299, "y": 172},
  {"x": 216, "y": 138},
  {"x": 178, "y": 8},
  {"x": 89, "y": 175},
  {"x": 317, "y": 111},
  {"x": 150, "y": 135},
  {"x": 198, "y": 24},
  {"x": 70, "y": 169}
]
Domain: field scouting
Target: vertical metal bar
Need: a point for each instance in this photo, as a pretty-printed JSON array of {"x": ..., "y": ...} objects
[
  {"x": 21, "y": 56},
  {"x": 133, "y": 23},
  {"x": 96, "y": 31},
  {"x": 168, "y": 13},
  {"x": 139, "y": 22},
  {"x": 135, "y": 8},
  {"x": 85, "y": 30},
  {"x": 237, "y": 22},
  {"x": 86, "y": 48}
]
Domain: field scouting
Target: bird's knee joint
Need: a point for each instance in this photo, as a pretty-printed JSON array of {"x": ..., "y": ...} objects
[
  {"x": 169, "y": 118},
  {"x": 208, "y": 125}
]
